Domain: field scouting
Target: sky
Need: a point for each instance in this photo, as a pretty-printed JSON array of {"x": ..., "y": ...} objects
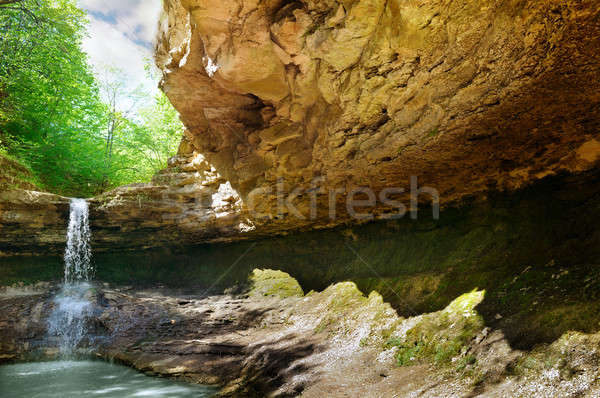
[{"x": 121, "y": 35}]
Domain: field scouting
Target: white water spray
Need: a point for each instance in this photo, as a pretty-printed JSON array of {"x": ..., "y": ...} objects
[
  {"x": 73, "y": 305},
  {"x": 78, "y": 254}
]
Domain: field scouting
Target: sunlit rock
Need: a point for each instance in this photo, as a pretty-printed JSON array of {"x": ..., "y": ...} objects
[{"x": 469, "y": 96}]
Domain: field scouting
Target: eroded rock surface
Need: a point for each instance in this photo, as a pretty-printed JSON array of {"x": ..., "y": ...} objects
[
  {"x": 469, "y": 96},
  {"x": 334, "y": 343},
  {"x": 32, "y": 222},
  {"x": 189, "y": 202}
]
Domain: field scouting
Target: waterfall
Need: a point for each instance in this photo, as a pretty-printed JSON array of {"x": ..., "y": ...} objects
[
  {"x": 73, "y": 304},
  {"x": 78, "y": 254}
]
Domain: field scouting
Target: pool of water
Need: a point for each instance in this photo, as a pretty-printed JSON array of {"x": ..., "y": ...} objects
[{"x": 75, "y": 379}]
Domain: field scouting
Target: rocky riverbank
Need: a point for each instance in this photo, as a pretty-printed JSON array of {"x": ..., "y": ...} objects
[{"x": 275, "y": 341}]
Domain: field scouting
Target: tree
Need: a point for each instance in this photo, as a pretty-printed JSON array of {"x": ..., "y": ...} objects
[
  {"x": 19, "y": 5},
  {"x": 155, "y": 137},
  {"x": 51, "y": 106},
  {"x": 142, "y": 131},
  {"x": 78, "y": 136},
  {"x": 113, "y": 92}
]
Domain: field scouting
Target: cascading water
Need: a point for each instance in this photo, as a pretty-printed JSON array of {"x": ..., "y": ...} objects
[
  {"x": 73, "y": 304},
  {"x": 78, "y": 254}
]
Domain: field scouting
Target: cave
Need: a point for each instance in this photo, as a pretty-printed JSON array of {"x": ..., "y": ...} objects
[{"x": 369, "y": 198}]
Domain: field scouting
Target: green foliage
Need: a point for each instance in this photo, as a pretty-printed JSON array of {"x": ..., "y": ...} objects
[
  {"x": 13, "y": 175},
  {"x": 52, "y": 116},
  {"x": 144, "y": 146},
  {"x": 49, "y": 99}
]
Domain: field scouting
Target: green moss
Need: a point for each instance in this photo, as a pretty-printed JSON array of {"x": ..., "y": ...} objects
[
  {"x": 467, "y": 360},
  {"x": 325, "y": 324},
  {"x": 343, "y": 308},
  {"x": 339, "y": 299},
  {"x": 274, "y": 283},
  {"x": 567, "y": 355},
  {"x": 343, "y": 295},
  {"x": 30, "y": 270},
  {"x": 441, "y": 336}
]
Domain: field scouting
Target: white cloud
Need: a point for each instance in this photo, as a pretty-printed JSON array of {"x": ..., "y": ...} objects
[
  {"x": 121, "y": 35},
  {"x": 138, "y": 19}
]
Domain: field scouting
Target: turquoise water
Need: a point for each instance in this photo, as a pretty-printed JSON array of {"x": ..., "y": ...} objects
[{"x": 76, "y": 379}]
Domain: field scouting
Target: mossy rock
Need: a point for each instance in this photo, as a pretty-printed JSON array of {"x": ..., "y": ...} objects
[
  {"x": 569, "y": 354},
  {"x": 269, "y": 282},
  {"x": 339, "y": 301},
  {"x": 343, "y": 295},
  {"x": 346, "y": 312},
  {"x": 441, "y": 336}
]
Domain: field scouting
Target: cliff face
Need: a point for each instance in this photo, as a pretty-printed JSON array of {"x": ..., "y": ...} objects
[
  {"x": 534, "y": 252},
  {"x": 188, "y": 202},
  {"x": 32, "y": 222},
  {"x": 292, "y": 105},
  {"x": 468, "y": 96}
]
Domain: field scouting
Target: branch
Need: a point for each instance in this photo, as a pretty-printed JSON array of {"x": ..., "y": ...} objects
[
  {"x": 6, "y": 2},
  {"x": 22, "y": 9},
  {"x": 20, "y": 5}
]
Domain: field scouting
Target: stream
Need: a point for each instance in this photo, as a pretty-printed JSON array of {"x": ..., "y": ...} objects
[{"x": 75, "y": 379}]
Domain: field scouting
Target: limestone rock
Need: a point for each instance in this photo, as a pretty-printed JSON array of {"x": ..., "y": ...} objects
[
  {"x": 333, "y": 343},
  {"x": 32, "y": 222},
  {"x": 302, "y": 102},
  {"x": 187, "y": 203},
  {"x": 469, "y": 96}
]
